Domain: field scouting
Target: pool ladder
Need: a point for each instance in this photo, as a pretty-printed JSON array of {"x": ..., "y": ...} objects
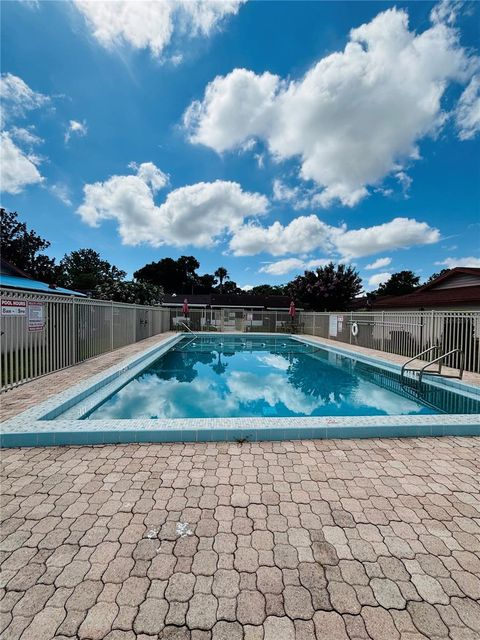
[
  {"x": 187, "y": 328},
  {"x": 438, "y": 360}
]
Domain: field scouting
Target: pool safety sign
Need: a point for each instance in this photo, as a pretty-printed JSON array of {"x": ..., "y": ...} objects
[
  {"x": 36, "y": 316},
  {"x": 14, "y": 307},
  {"x": 332, "y": 326}
]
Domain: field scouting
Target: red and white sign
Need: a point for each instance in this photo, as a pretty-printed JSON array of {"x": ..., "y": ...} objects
[
  {"x": 14, "y": 307},
  {"x": 36, "y": 316}
]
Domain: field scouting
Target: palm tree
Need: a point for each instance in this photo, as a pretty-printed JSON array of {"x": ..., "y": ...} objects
[{"x": 222, "y": 274}]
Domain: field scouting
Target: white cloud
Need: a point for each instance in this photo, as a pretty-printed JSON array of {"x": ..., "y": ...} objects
[
  {"x": 467, "y": 114},
  {"x": 197, "y": 215},
  {"x": 295, "y": 196},
  {"x": 62, "y": 192},
  {"x": 18, "y": 168},
  {"x": 301, "y": 235},
  {"x": 281, "y": 267},
  {"x": 354, "y": 118},
  {"x": 367, "y": 394},
  {"x": 399, "y": 233},
  {"x": 156, "y": 397},
  {"x": 25, "y": 135},
  {"x": 151, "y": 175},
  {"x": 308, "y": 233},
  {"x": 17, "y": 98},
  {"x": 378, "y": 278},
  {"x": 275, "y": 361},
  {"x": 446, "y": 11},
  {"x": 379, "y": 263},
  {"x": 248, "y": 145},
  {"x": 272, "y": 389},
  {"x": 152, "y": 24},
  {"x": 405, "y": 181},
  {"x": 247, "y": 287},
  {"x": 284, "y": 193},
  {"x": 471, "y": 261},
  {"x": 235, "y": 108},
  {"x": 76, "y": 128},
  {"x": 259, "y": 159}
]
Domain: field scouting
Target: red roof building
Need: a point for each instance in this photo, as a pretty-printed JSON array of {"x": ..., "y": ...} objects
[{"x": 456, "y": 290}]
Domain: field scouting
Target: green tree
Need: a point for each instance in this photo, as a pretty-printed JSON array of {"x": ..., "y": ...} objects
[
  {"x": 164, "y": 273},
  {"x": 129, "y": 291},
  {"x": 327, "y": 288},
  {"x": 222, "y": 274},
  {"x": 84, "y": 270},
  {"x": 434, "y": 276},
  {"x": 205, "y": 283},
  {"x": 399, "y": 284},
  {"x": 231, "y": 287},
  {"x": 188, "y": 266},
  {"x": 22, "y": 247},
  {"x": 175, "y": 276},
  {"x": 269, "y": 290}
]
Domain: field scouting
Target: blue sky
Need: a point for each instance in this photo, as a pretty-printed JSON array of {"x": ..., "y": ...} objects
[{"x": 266, "y": 137}]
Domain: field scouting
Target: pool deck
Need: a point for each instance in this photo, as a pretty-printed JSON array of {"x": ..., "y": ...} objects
[
  {"x": 351, "y": 539},
  {"x": 295, "y": 540}
]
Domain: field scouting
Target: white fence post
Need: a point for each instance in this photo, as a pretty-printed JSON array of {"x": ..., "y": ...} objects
[
  {"x": 74, "y": 331},
  {"x": 432, "y": 328},
  {"x": 111, "y": 326},
  {"x": 383, "y": 330}
]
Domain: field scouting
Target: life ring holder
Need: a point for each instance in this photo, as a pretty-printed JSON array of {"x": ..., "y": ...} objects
[{"x": 354, "y": 329}]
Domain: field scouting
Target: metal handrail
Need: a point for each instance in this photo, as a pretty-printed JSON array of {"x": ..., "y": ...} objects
[
  {"x": 439, "y": 360},
  {"x": 187, "y": 328},
  {"x": 415, "y": 357}
]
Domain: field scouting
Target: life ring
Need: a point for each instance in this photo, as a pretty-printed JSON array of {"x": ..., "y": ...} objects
[{"x": 354, "y": 329}]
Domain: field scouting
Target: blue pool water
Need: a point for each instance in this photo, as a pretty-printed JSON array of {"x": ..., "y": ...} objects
[{"x": 236, "y": 376}]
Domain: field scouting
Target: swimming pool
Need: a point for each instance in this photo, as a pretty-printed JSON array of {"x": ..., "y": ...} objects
[
  {"x": 230, "y": 377},
  {"x": 247, "y": 387}
]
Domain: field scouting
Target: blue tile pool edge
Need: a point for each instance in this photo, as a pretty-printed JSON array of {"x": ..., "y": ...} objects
[
  {"x": 235, "y": 434},
  {"x": 31, "y": 428}
]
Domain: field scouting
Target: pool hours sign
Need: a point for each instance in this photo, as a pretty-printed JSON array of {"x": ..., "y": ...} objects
[
  {"x": 34, "y": 312},
  {"x": 12, "y": 307}
]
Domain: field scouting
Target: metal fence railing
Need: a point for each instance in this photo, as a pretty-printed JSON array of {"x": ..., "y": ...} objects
[
  {"x": 405, "y": 333},
  {"x": 43, "y": 332}
]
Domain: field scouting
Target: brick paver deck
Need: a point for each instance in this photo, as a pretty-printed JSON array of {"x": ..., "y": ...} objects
[{"x": 343, "y": 539}]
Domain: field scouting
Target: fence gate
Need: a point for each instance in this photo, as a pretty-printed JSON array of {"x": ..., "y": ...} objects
[{"x": 143, "y": 324}]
